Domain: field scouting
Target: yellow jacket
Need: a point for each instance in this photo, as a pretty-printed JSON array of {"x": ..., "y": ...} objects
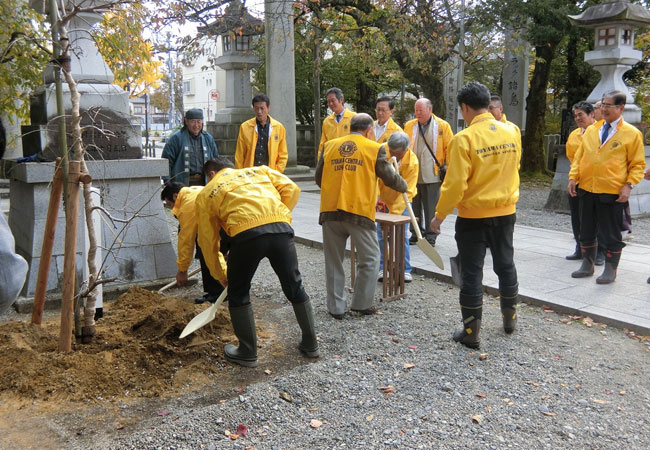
[
  {"x": 332, "y": 130},
  {"x": 427, "y": 165},
  {"x": 185, "y": 211},
  {"x": 605, "y": 169},
  {"x": 349, "y": 182},
  {"x": 483, "y": 175},
  {"x": 572, "y": 143},
  {"x": 247, "y": 141},
  {"x": 505, "y": 120},
  {"x": 408, "y": 169},
  {"x": 238, "y": 200},
  {"x": 391, "y": 127}
]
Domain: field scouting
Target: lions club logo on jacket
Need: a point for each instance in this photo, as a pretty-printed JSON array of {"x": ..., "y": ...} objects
[{"x": 347, "y": 148}]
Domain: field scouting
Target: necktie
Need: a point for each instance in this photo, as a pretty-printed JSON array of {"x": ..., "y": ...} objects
[
  {"x": 605, "y": 132},
  {"x": 339, "y": 117}
]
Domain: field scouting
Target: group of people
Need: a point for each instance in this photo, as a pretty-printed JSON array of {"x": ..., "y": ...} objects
[
  {"x": 607, "y": 160},
  {"x": 243, "y": 214}
]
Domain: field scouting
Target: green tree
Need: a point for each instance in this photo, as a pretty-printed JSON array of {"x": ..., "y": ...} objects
[{"x": 24, "y": 53}]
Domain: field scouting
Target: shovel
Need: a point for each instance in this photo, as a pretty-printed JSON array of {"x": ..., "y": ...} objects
[
  {"x": 205, "y": 317},
  {"x": 422, "y": 243},
  {"x": 173, "y": 283}
]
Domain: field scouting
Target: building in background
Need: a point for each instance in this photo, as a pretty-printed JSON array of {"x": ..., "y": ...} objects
[{"x": 204, "y": 83}]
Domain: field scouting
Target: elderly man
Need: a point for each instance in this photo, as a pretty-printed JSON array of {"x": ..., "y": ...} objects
[
  {"x": 430, "y": 137},
  {"x": 188, "y": 149},
  {"x": 607, "y": 165},
  {"x": 347, "y": 174},
  {"x": 338, "y": 123},
  {"x": 385, "y": 126},
  {"x": 398, "y": 147},
  {"x": 483, "y": 184},
  {"x": 261, "y": 140},
  {"x": 182, "y": 201},
  {"x": 251, "y": 208},
  {"x": 496, "y": 109}
]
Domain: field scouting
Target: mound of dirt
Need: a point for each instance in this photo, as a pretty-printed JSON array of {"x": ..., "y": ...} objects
[{"x": 136, "y": 353}]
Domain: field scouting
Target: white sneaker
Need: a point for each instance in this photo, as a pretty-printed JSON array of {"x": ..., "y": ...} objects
[
  {"x": 380, "y": 276},
  {"x": 407, "y": 277}
]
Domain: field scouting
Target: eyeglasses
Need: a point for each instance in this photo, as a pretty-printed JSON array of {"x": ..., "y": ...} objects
[
  {"x": 195, "y": 121},
  {"x": 380, "y": 110},
  {"x": 607, "y": 105}
]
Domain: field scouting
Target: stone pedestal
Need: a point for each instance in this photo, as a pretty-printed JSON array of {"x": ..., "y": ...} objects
[{"x": 134, "y": 252}]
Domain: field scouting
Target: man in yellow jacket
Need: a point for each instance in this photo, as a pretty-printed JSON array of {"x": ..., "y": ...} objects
[
  {"x": 338, "y": 123},
  {"x": 262, "y": 139},
  {"x": 347, "y": 174},
  {"x": 607, "y": 165},
  {"x": 496, "y": 109},
  {"x": 182, "y": 201},
  {"x": 384, "y": 125},
  {"x": 483, "y": 183},
  {"x": 398, "y": 147},
  {"x": 430, "y": 137},
  {"x": 251, "y": 210}
]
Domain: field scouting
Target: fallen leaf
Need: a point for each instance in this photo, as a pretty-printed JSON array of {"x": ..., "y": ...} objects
[
  {"x": 387, "y": 389},
  {"x": 408, "y": 366},
  {"x": 395, "y": 340},
  {"x": 242, "y": 430},
  {"x": 240, "y": 389},
  {"x": 621, "y": 408},
  {"x": 557, "y": 358},
  {"x": 588, "y": 321},
  {"x": 566, "y": 321},
  {"x": 608, "y": 392},
  {"x": 482, "y": 356},
  {"x": 575, "y": 317},
  {"x": 315, "y": 423},
  {"x": 164, "y": 412},
  {"x": 268, "y": 371},
  {"x": 233, "y": 436},
  {"x": 548, "y": 319},
  {"x": 286, "y": 397},
  {"x": 481, "y": 395},
  {"x": 545, "y": 396},
  {"x": 477, "y": 418},
  {"x": 549, "y": 311},
  {"x": 548, "y": 413},
  {"x": 370, "y": 417},
  {"x": 120, "y": 427},
  {"x": 413, "y": 347},
  {"x": 391, "y": 333},
  {"x": 622, "y": 392},
  {"x": 599, "y": 401},
  {"x": 533, "y": 383}
]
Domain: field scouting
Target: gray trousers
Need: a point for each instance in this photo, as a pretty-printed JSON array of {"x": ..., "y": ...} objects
[
  {"x": 424, "y": 206},
  {"x": 335, "y": 235}
]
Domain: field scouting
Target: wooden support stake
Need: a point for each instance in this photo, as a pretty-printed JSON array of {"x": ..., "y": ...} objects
[
  {"x": 70, "y": 257},
  {"x": 48, "y": 243}
]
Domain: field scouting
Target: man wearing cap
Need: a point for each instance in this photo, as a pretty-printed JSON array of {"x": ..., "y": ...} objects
[
  {"x": 261, "y": 140},
  {"x": 188, "y": 149}
]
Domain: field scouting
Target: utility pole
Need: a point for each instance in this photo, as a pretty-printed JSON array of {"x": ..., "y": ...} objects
[{"x": 170, "y": 65}]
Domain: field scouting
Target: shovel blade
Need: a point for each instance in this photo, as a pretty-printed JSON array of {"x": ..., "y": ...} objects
[
  {"x": 431, "y": 253},
  {"x": 204, "y": 317}
]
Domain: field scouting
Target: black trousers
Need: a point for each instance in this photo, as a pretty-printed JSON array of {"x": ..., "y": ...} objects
[
  {"x": 601, "y": 214},
  {"x": 473, "y": 237},
  {"x": 210, "y": 285},
  {"x": 244, "y": 258},
  {"x": 574, "y": 208},
  {"x": 424, "y": 207}
]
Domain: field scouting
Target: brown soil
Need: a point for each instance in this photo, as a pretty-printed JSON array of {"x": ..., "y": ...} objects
[{"x": 136, "y": 353}]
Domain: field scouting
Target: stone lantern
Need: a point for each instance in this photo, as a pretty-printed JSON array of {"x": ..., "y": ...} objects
[
  {"x": 238, "y": 30},
  {"x": 614, "y": 52}
]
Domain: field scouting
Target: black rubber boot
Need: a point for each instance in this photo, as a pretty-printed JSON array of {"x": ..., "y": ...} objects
[
  {"x": 305, "y": 316},
  {"x": 243, "y": 322},
  {"x": 508, "y": 298},
  {"x": 577, "y": 254},
  {"x": 469, "y": 335},
  {"x": 588, "y": 259},
  {"x": 600, "y": 257},
  {"x": 611, "y": 264}
]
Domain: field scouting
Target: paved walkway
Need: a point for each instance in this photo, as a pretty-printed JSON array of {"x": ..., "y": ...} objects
[{"x": 544, "y": 274}]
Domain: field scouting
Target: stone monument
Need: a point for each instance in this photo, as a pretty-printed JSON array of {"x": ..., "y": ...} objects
[
  {"x": 515, "y": 79},
  {"x": 139, "y": 250},
  {"x": 238, "y": 29}
]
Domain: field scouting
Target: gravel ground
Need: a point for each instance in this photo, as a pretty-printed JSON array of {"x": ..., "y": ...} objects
[
  {"x": 555, "y": 383},
  {"x": 531, "y": 212}
]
